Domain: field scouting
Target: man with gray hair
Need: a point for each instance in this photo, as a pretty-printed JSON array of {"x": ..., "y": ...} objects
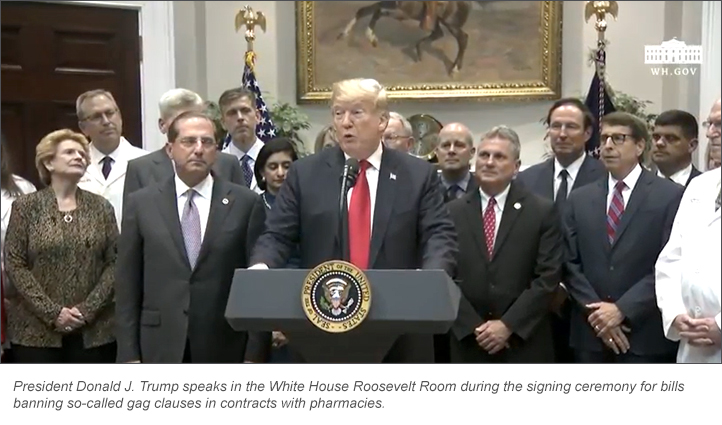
[
  {"x": 398, "y": 134},
  {"x": 157, "y": 166},
  {"x": 100, "y": 119},
  {"x": 510, "y": 261}
]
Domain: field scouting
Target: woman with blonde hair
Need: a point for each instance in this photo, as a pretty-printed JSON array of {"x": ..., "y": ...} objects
[
  {"x": 326, "y": 138},
  {"x": 60, "y": 256}
]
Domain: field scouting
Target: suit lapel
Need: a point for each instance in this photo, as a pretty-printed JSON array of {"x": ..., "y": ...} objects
[
  {"x": 164, "y": 166},
  {"x": 695, "y": 172},
  {"x": 599, "y": 213},
  {"x": 514, "y": 199},
  {"x": 639, "y": 194},
  {"x": 332, "y": 184},
  {"x": 475, "y": 222},
  {"x": 586, "y": 173},
  {"x": 545, "y": 184},
  {"x": 385, "y": 196},
  {"x": 221, "y": 204},
  {"x": 168, "y": 206}
]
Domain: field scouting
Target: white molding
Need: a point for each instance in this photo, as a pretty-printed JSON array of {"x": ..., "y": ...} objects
[
  {"x": 157, "y": 70},
  {"x": 711, "y": 71}
]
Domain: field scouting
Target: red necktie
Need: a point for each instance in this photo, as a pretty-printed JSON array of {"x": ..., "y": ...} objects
[
  {"x": 359, "y": 220},
  {"x": 490, "y": 225},
  {"x": 616, "y": 209}
]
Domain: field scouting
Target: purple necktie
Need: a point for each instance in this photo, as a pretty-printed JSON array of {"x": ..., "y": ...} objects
[{"x": 191, "y": 226}]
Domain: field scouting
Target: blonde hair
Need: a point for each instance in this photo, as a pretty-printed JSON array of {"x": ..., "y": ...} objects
[
  {"x": 361, "y": 88},
  {"x": 91, "y": 94},
  {"x": 48, "y": 147},
  {"x": 321, "y": 138}
]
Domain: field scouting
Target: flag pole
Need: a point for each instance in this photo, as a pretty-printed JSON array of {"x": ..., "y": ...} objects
[
  {"x": 250, "y": 19},
  {"x": 601, "y": 9}
]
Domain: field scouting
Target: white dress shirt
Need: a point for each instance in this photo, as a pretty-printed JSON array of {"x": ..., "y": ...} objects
[
  {"x": 202, "y": 199},
  {"x": 680, "y": 177},
  {"x": 252, "y": 153},
  {"x": 498, "y": 209},
  {"x": 572, "y": 170},
  {"x": 372, "y": 177},
  {"x": 630, "y": 181}
]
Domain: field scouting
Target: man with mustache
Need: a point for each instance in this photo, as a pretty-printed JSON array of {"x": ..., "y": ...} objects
[
  {"x": 181, "y": 242},
  {"x": 240, "y": 117},
  {"x": 615, "y": 230},
  {"x": 100, "y": 119},
  {"x": 674, "y": 139}
]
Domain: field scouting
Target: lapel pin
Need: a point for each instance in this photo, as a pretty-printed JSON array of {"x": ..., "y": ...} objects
[
  {"x": 392, "y": 176},
  {"x": 225, "y": 201},
  {"x": 517, "y": 206}
]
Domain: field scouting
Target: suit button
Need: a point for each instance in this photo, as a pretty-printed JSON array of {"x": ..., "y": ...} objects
[
  {"x": 609, "y": 298},
  {"x": 611, "y": 268},
  {"x": 185, "y": 311},
  {"x": 489, "y": 315}
]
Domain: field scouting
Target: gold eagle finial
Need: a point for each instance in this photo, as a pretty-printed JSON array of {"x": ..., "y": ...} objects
[
  {"x": 601, "y": 9},
  {"x": 250, "y": 19}
]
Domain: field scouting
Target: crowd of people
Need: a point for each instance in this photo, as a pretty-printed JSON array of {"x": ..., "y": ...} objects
[{"x": 128, "y": 256}]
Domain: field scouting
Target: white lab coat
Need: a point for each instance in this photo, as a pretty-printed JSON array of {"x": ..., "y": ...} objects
[
  {"x": 688, "y": 277},
  {"x": 112, "y": 188}
]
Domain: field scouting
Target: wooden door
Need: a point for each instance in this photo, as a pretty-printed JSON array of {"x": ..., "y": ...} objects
[{"x": 51, "y": 53}]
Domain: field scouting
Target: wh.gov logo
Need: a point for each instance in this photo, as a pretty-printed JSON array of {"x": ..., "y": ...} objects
[{"x": 676, "y": 53}]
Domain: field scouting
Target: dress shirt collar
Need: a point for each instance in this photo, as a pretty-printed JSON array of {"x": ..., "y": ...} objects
[
  {"x": 96, "y": 156},
  {"x": 253, "y": 152},
  {"x": 374, "y": 159},
  {"x": 630, "y": 180},
  {"x": 204, "y": 188},
  {"x": 463, "y": 183},
  {"x": 572, "y": 169},
  {"x": 500, "y": 198},
  {"x": 680, "y": 177}
]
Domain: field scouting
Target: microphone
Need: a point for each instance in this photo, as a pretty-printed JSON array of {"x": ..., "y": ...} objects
[{"x": 348, "y": 180}]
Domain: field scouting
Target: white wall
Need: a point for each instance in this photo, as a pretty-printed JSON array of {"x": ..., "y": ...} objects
[{"x": 209, "y": 59}]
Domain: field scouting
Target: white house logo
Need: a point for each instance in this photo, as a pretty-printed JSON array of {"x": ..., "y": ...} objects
[{"x": 673, "y": 52}]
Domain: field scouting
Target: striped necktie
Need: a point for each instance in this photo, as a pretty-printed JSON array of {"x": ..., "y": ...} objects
[{"x": 616, "y": 209}]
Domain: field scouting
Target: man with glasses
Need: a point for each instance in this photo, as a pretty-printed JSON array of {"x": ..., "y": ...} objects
[
  {"x": 99, "y": 118},
  {"x": 398, "y": 134},
  {"x": 181, "y": 242},
  {"x": 674, "y": 139},
  {"x": 570, "y": 125},
  {"x": 713, "y": 124},
  {"x": 615, "y": 230}
]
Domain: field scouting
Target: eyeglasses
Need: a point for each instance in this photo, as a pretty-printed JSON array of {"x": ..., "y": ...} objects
[
  {"x": 617, "y": 138},
  {"x": 713, "y": 124},
  {"x": 98, "y": 116},
  {"x": 190, "y": 142}
]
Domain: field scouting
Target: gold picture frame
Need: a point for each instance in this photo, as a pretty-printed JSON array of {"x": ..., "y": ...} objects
[{"x": 509, "y": 35}]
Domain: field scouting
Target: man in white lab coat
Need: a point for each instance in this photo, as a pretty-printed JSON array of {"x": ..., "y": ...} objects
[
  {"x": 688, "y": 280},
  {"x": 100, "y": 120}
]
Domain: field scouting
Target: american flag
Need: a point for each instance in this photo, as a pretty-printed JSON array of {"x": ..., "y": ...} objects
[
  {"x": 598, "y": 100},
  {"x": 265, "y": 130}
]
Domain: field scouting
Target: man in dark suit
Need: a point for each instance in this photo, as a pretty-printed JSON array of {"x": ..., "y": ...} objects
[
  {"x": 181, "y": 243},
  {"x": 396, "y": 213},
  {"x": 570, "y": 125},
  {"x": 157, "y": 166},
  {"x": 674, "y": 139},
  {"x": 454, "y": 152},
  {"x": 510, "y": 261},
  {"x": 615, "y": 230}
]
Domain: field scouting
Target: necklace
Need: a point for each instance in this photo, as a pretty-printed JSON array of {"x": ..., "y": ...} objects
[
  {"x": 68, "y": 218},
  {"x": 263, "y": 196}
]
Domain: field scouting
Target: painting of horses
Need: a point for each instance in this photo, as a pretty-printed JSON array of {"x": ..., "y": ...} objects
[{"x": 485, "y": 50}]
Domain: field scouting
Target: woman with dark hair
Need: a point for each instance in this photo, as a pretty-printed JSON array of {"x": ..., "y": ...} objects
[
  {"x": 272, "y": 165},
  {"x": 13, "y": 186}
]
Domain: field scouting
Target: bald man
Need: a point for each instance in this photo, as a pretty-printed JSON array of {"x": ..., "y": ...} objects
[
  {"x": 454, "y": 153},
  {"x": 714, "y": 120}
]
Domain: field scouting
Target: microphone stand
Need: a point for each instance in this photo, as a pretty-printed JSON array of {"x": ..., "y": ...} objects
[{"x": 348, "y": 180}]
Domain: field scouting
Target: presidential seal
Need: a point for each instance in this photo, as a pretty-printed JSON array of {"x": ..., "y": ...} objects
[{"x": 336, "y": 296}]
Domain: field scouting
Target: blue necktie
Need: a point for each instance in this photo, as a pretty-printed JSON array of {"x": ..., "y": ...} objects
[
  {"x": 107, "y": 165},
  {"x": 247, "y": 171}
]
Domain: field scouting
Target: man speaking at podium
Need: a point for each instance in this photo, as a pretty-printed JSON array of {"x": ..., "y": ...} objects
[{"x": 396, "y": 213}]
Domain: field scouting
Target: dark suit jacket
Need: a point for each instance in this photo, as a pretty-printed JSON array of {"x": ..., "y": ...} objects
[
  {"x": 411, "y": 225},
  {"x": 695, "y": 172},
  {"x": 157, "y": 167},
  {"x": 160, "y": 301},
  {"x": 622, "y": 273},
  {"x": 516, "y": 285},
  {"x": 539, "y": 178},
  {"x": 472, "y": 186}
]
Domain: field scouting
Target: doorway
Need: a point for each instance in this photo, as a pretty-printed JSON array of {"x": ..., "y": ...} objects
[{"x": 51, "y": 53}]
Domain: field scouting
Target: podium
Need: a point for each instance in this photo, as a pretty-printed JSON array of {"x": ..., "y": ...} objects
[{"x": 403, "y": 302}]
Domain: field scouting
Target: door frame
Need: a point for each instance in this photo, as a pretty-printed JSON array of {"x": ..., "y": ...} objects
[{"x": 157, "y": 67}]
